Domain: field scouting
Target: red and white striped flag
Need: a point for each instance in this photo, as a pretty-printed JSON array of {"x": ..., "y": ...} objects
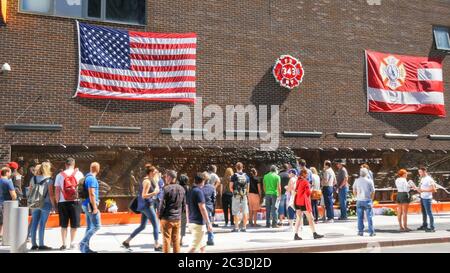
[
  {"x": 404, "y": 84},
  {"x": 129, "y": 65}
]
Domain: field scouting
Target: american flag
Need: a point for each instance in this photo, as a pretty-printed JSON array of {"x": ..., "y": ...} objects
[{"x": 129, "y": 65}]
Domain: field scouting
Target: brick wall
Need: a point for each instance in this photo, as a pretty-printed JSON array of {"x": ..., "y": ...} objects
[
  {"x": 5, "y": 154},
  {"x": 238, "y": 42}
]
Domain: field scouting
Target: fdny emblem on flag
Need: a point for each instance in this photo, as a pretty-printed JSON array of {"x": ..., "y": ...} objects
[
  {"x": 288, "y": 71},
  {"x": 393, "y": 72}
]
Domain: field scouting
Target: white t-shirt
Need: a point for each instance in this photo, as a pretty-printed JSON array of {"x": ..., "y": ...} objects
[
  {"x": 402, "y": 185},
  {"x": 329, "y": 177},
  {"x": 59, "y": 181},
  {"x": 315, "y": 182},
  {"x": 426, "y": 184}
]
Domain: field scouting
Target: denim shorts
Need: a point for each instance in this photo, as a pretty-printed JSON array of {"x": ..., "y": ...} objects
[{"x": 239, "y": 205}]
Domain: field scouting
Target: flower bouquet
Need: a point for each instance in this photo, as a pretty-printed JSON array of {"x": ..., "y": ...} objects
[{"x": 111, "y": 206}]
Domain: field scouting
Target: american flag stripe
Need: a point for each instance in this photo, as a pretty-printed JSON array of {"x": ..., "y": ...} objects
[
  {"x": 162, "y": 46},
  {"x": 105, "y": 93},
  {"x": 164, "y": 68},
  {"x": 118, "y": 77},
  {"x": 132, "y": 91},
  {"x": 157, "y": 35},
  {"x": 117, "y": 64},
  {"x": 174, "y": 57},
  {"x": 165, "y": 41},
  {"x": 146, "y": 51},
  {"x": 136, "y": 85},
  {"x": 87, "y": 69},
  {"x": 163, "y": 63}
]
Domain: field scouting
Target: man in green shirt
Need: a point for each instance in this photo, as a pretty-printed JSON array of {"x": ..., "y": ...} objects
[{"x": 272, "y": 188}]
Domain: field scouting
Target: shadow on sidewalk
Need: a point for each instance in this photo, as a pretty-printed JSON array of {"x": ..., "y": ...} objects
[
  {"x": 269, "y": 240},
  {"x": 389, "y": 231},
  {"x": 120, "y": 233}
]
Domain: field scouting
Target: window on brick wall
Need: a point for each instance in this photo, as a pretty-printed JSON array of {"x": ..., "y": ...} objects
[
  {"x": 122, "y": 11},
  {"x": 442, "y": 38}
]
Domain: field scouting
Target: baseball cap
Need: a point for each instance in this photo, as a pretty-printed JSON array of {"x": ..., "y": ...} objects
[{"x": 13, "y": 165}]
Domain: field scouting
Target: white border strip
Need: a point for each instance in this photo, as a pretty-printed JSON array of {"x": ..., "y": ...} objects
[
  {"x": 79, "y": 59},
  {"x": 405, "y": 98},
  {"x": 94, "y": 92}
]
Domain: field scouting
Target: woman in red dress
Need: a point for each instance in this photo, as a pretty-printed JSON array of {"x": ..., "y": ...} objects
[{"x": 303, "y": 205}]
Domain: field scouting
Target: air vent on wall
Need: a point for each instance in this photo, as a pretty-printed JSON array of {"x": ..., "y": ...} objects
[{"x": 32, "y": 127}]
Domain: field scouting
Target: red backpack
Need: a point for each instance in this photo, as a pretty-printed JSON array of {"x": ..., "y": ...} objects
[{"x": 70, "y": 191}]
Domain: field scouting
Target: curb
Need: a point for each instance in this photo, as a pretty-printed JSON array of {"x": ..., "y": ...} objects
[{"x": 343, "y": 246}]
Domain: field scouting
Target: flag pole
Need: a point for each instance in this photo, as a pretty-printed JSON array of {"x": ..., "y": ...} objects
[
  {"x": 79, "y": 60},
  {"x": 367, "y": 81}
]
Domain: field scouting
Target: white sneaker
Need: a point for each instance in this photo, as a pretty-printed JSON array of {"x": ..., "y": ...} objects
[{"x": 72, "y": 246}]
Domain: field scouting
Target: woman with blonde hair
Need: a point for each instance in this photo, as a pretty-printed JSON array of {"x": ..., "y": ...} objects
[
  {"x": 227, "y": 196},
  {"x": 41, "y": 203},
  {"x": 403, "y": 198}
]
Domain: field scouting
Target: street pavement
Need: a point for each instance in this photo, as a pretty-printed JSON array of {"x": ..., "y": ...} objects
[
  {"x": 339, "y": 236},
  {"x": 424, "y": 248}
]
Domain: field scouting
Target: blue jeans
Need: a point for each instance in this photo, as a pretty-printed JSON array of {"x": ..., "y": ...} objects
[
  {"x": 282, "y": 209},
  {"x": 210, "y": 234},
  {"x": 427, "y": 211},
  {"x": 328, "y": 199},
  {"x": 361, "y": 208},
  {"x": 315, "y": 209},
  {"x": 93, "y": 222},
  {"x": 343, "y": 202},
  {"x": 156, "y": 204},
  {"x": 148, "y": 214},
  {"x": 271, "y": 210},
  {"x": 39, "y": 219}
]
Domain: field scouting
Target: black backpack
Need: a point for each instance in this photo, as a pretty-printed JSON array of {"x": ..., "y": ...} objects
[{"x": 82, "y": 190}]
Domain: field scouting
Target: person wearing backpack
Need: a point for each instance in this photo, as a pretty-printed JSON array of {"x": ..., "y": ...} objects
[
  {"x": 239, "y": 185},
  {"x": 69, "y": 209},
  {"x": 89, "y": 191},
  {"x": 272, "y": 188},
  {"x": 40, "y": 203}
]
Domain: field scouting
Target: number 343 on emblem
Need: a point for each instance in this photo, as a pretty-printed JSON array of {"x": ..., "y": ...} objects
[{"x": 288, "y": 71}]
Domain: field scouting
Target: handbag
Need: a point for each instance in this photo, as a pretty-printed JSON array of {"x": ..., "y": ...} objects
[
  {"x": 316, "y": 194},
  {"x": 134, "y": 205}
]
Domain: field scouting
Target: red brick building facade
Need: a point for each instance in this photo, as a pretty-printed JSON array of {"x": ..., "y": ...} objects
[{"x": 238, "y": 43}]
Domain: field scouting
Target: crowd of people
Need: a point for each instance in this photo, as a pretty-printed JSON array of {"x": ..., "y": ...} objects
[{"x": 172, "y": 204}]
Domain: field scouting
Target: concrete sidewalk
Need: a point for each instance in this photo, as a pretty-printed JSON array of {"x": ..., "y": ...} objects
[{"x": 338, "y": 236}]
